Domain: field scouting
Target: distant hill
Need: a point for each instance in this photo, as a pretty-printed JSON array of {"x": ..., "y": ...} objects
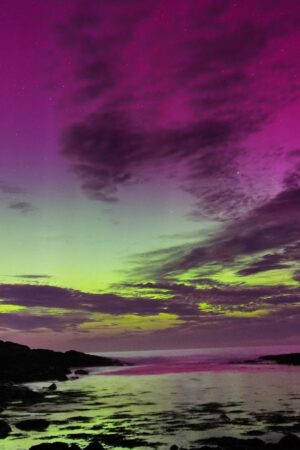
[{"x": 19, "y": 363}]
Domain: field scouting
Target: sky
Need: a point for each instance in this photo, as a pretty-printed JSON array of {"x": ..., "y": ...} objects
[{"x": 149, "y": 173}]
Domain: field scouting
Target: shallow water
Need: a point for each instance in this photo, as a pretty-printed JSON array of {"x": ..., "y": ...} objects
[{"x": 167, "y": 398}]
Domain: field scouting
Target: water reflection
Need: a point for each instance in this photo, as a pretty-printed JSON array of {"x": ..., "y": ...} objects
[{"x": 155, "y": 411}]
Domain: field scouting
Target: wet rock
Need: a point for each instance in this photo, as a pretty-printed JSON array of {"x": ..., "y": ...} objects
[
  {"x": 94, "y": 445},
  {"x": 289, "y": 442},
  {"x": 52, "y": 387},
  {"x": 4, "y": 429},
  {"x": 55, "y": 446},
  {"x": 11, "y": 392},
  {"x": 33, "y": 425},
  {"x": 224, "y": 418},
  {"x": 230, "y": 443}
]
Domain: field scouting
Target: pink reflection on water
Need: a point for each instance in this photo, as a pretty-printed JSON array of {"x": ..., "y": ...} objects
[{"x": 179, "y": 367}]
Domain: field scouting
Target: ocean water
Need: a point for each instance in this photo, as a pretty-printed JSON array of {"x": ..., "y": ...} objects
[{"x": 168, "y": 397}]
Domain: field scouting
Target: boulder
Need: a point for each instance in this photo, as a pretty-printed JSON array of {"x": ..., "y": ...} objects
[
  {"x": 94, "y": 445},
  {"x": 55, "y": 446},
  {"x": 289, "y": 442},
  {"x": 33, "y": 425}
]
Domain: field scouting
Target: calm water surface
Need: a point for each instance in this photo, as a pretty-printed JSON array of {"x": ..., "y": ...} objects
[{"x": 177, "y": 397}]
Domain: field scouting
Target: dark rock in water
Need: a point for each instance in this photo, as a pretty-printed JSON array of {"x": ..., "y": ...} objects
[
  {"x": 289, "y": 442},
  {"x": 33, "y": 425},
  {"x": 94, "y": 445},
  {"x": 55, "y": 446},
  {"x": 224, "y": 418},
  {"x": 230, "y": 443},
  {"x": 81, "y": 372},
  {"x": 4, "y": 429},
  {"x": 174, "y": 447},
  {"x": 52, "y": 387},
  {"x": 21, "y": 364},
  {"x": 288, "y": 359}
]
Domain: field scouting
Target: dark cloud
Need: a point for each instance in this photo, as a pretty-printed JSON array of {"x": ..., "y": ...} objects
[
  {"x": 193, "y": 100},
  {"x": 268, "y": 262},
  {"x": 271, "y": 227},
  {"x": 10, "y": 189},
  {"x": 23, "y": 207},
  {"x": 33, "y": 276},
  {"x": 55, "y": 297}
]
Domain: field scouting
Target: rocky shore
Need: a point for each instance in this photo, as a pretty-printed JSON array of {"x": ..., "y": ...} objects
[
  {"x": 288, "y": 442},
  {"x": 20, "y": 364}
]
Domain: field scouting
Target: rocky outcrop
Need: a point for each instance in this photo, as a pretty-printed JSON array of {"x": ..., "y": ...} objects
[
  {"x": 288, "y": 442},
  {"x": 288, "y": 359},
  {"x": 21, "y": 364}
]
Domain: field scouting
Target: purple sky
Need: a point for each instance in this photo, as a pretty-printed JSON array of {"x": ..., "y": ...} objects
[{"x": 150, "y": 173}]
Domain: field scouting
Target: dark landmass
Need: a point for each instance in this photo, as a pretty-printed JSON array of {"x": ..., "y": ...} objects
[
  {"x": 288, "y": 442},
  {"x": 288, "y": 359},
  {"x": 20, "y": 364}
]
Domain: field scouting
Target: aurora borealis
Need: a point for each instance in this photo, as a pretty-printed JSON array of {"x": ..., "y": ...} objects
[{"x": 150, "y": 173}]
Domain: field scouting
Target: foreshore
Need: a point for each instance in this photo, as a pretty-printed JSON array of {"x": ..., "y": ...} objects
[{"x": 68, "y": 365}]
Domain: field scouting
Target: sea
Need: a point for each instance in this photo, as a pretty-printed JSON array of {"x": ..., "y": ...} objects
[{"x": 167, "y": 397}]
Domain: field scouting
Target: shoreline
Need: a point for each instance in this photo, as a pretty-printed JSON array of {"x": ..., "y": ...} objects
[{"x": 26, "y": 396}]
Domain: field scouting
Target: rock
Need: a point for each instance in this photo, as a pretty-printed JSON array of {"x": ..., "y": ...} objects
[
  {"x": 230, "y": 443},
  {"x": 52, "y": 387},
  {"x": 174, "y": 447},
  {"x": 4, "y": 429},
  {"x": 20, "y": 364},
  {"x": 94, "y": 445},
  {"x": 33, "y": 425},
  {"x": 289, "y": 442},
  {"x": 224, "y": 418},
  {"x": 288, "y": 359},
  {"x": 55, "y": 446},
  {"x": 81, "y": 372},
  {"x": 11, "y": 392}
]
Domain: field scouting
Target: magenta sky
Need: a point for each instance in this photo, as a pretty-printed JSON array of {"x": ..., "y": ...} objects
[{"x": 150, "y": 173}]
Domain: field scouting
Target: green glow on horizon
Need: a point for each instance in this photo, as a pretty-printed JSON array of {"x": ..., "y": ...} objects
[{"x": 108, "y": 323}]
